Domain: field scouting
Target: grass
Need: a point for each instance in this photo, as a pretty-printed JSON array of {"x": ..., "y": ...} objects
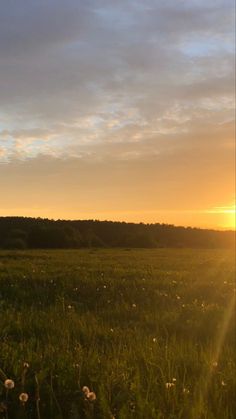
[{"x": 123, "y": 322}]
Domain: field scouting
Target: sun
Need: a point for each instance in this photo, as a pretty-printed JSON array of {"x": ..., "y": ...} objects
[
  {"x": 226, "y": 216},
  {"x": 230, "y": 216}
]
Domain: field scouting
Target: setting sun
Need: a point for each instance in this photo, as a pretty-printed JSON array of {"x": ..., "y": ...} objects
[{"x": 227, "y": 214}]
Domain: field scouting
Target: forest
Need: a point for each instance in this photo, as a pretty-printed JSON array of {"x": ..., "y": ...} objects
[{"x": 38, "y": 233}]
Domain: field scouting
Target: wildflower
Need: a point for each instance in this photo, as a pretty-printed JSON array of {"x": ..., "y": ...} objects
[
  {"x": 9, "y": 384},
  {"x": 91, "y": 396},
  {"x": 23, "y": 397},
  {"x": 169, "y": 385},
  {"x": 215, "y": 364},
  {"x": 186, "y": 390},
  {"x": 85, "y": 390},
  {"x": 134, "y": 305},
  {"x": 26, "y": 365},
  {"x": 173, "y": 380},
  {"x": 154, "y": 340},
  {"x": 112, "y": 330},
  {"x": 223, "y": 383},
  {"x": 69, "y": 307}
]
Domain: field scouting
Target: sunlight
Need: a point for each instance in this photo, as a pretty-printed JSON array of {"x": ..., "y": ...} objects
[{"x": 228, "y": 213}]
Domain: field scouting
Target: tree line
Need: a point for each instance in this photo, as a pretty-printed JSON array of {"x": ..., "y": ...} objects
[{"x": 36, "y": 233}]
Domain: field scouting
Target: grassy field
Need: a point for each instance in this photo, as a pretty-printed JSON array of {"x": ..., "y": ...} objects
[{"x": 150, "y": 332}]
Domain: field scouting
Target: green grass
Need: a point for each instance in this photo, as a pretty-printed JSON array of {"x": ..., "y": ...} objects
[{"x": 123, "y": 322}]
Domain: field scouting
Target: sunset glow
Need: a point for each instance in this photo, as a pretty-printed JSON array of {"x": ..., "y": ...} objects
[{"x": 118, "y": 110}]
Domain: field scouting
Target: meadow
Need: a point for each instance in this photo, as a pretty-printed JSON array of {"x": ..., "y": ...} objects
[{"x": 151, "y": 333}]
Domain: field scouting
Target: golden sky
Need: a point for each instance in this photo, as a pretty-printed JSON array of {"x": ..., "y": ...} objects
[{"x": 118, "y": 110}]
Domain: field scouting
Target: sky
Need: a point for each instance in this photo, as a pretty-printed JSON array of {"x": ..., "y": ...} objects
[{"x": 118, "y": 110}]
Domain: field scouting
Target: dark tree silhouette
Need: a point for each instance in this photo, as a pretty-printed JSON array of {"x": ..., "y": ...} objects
[{"x": 22, "y": 232}]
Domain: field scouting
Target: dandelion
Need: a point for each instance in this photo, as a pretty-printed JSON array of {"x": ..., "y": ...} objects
[
  {"x": 85, "y": 390},
  {"x": 9, "y": 384},
  {"x": 23, "y": 397},
  {"x": 169, "y": 385},
  {"x": 26, "y": 365},
  {"x": 91, "y": 396}
]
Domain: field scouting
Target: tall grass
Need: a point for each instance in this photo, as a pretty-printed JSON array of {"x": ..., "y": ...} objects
[{"x": 150, "y": 332}]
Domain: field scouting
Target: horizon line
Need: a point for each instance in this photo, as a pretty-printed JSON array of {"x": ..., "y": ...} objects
[{"x": 217, "y": 229}]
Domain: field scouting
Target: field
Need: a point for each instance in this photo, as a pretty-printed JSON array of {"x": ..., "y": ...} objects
[{"x": 150, "y": 332}]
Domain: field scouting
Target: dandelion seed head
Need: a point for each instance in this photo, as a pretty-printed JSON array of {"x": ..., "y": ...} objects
[
  {"x": 169, "y": 385},
  {"x": 26, "y": 365},
  {"x": 85, "y": 390},
  {"x": 9, "y": 384},
  {"x": 91, "y": 396},
  {"x": 23, "y": 397}
]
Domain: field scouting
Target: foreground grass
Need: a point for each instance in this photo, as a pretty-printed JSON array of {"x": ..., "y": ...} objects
[{"x": 123, "y": 322}]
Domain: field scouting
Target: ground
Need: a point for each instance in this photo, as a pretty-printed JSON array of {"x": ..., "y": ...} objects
[{"x": 150, "y": 332}]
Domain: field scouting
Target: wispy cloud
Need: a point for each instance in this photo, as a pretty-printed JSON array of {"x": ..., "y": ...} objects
[{"x": 139, "y": 93}]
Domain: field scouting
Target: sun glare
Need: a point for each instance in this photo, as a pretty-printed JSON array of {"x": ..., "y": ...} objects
[{"x": 228, "y": 214}]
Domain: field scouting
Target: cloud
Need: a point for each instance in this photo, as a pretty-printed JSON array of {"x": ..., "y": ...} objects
[{"x": 113, "y": 84}]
